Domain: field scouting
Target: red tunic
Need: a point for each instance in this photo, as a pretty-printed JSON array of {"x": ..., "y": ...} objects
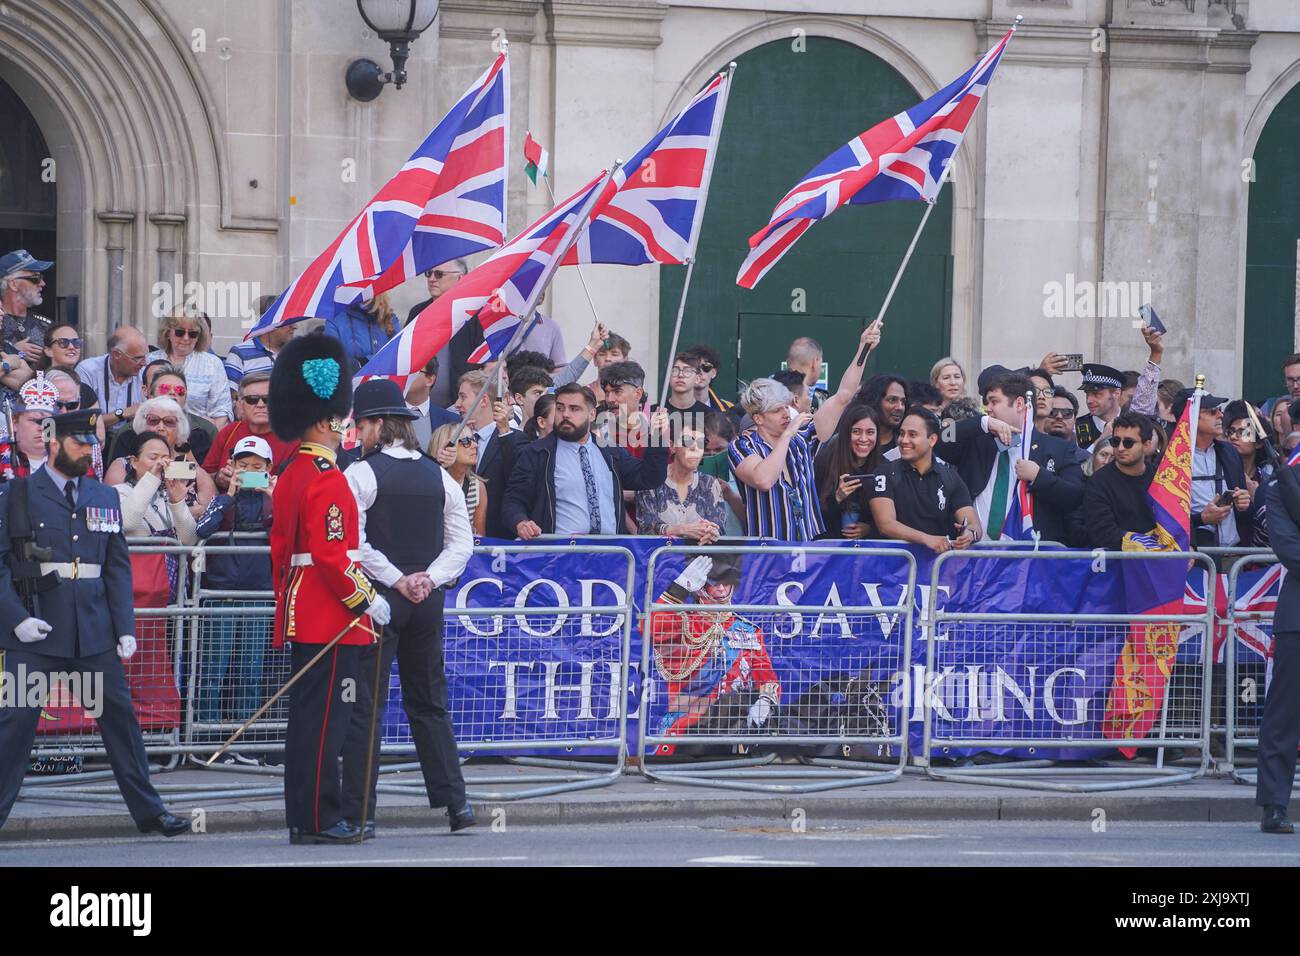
[{"x": 323, "y": 589}]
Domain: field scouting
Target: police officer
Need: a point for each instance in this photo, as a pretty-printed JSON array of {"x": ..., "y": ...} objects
[
  {"x": 1279, "y": 733},
  {"x": 80, "y": 618},
  {"x": 415, "y": 539},
  {"x": 322, "y": 595}
]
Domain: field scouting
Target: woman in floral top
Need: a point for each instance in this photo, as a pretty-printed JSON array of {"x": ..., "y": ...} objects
[{"x": 688, "y": 504}]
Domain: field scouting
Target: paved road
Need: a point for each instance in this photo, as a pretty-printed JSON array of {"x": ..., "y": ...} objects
[{"x": 710, "y": 842}]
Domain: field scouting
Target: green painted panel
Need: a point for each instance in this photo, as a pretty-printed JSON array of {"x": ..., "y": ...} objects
[
  {"x": 787, "y": 111},
  {"x": 1272, "y": 233}
]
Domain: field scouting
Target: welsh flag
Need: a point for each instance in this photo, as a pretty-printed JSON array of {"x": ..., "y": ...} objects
[{"x": 536, "y": 158}]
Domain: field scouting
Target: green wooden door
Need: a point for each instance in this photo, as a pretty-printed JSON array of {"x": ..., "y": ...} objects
[
  {"x": 787, "y": 111},
  {"x": 1273, "y": 231}
]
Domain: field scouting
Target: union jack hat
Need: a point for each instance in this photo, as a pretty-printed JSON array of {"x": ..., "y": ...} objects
[{"x": 39, "y": 395}]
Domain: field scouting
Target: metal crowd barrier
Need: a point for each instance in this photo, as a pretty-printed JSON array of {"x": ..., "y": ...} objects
[
  {"x": 793, "y": 739},
  {"x": 1247, "y": 679},
  {"x": 1184, "y": 715}
]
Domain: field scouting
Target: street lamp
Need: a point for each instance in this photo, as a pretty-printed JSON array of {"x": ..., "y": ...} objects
[{"x": 399, "y": 22}]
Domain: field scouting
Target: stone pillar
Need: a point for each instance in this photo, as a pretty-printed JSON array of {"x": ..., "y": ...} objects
[
  {"x": 171, "y": 234},
  {"x": 1174, "y": 216},
  {"x": 604, "y": 110},
  {"x": 117, "y": 239}
]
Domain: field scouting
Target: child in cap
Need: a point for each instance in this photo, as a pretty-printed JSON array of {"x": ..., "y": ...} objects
[{"x": 234, "y": 647}]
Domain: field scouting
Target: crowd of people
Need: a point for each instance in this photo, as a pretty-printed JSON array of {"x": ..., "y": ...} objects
[{"x": 574, "y": 445}]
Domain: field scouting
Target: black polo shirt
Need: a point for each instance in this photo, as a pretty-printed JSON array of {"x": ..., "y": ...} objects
[{"x": 928, "y": 503}]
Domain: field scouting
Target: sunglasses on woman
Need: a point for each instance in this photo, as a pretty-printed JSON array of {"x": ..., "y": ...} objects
[
  {"x": 465, "y": 441},
  {"x": 154, "y": 421},
  {"x": 1126, "y": 442},
  {"x": 169, "y": 389},
  {"x": 186, "y": 333},
  {"x": 66, "y": 343}
]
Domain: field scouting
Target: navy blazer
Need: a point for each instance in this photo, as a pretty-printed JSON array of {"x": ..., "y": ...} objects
[
  {"x": 1284, "y": 537},
  {"x": 495, "y": 468},
  {"x": 530, "y": 494},
  {"x": 1057, "y": 491},
  {"x": 88, "y": 615}
]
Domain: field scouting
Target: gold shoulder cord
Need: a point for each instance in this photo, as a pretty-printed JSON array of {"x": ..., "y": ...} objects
[{"x": 700, "y": 647}]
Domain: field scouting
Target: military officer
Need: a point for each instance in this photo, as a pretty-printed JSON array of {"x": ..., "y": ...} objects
[
  {"x": 321, "y": 592},
  {"x": 78, "y": 616}
]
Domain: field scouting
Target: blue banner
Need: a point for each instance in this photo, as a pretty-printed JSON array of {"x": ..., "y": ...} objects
[{"x": 804, "y": 667}]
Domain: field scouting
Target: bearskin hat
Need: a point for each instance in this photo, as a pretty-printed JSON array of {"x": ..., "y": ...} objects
[
  {"x": 309, "y": 383},
  {"x": 726, "y": 567}
]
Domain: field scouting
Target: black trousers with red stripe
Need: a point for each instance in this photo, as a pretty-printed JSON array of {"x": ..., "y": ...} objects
[{"x": 320, "y": 709}]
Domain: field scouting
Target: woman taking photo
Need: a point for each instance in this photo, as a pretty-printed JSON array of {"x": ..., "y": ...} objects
[
  {"x": 461, "y": 470},
  {"x": 689, "y": 504},
  {"x": 163, "y": 418},
  {"x": 842, "y": 470},
  {"x": 183, "y": 340}
]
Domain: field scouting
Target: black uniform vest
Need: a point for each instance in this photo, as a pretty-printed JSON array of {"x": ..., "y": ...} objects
[{"x": 405, "y": 522}]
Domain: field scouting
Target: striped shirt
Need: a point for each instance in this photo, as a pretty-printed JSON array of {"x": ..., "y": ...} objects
[
  {"x": 789, "y": 511},
  {"x": 245, "y": 358}
]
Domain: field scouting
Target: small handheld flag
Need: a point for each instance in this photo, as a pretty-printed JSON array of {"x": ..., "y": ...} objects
[{"x": 536, "y": 159}]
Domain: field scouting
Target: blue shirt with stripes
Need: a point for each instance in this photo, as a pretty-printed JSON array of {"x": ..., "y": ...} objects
[{"x": 789, "y": 511}]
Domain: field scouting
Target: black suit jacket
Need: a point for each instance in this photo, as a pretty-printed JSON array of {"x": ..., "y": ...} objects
[
  {"x": 1284, "y": 538},
  {"x": 530, "y": 495},
  {"x": 1057, "y": 491},
  {"x": 497, "y": 463}
]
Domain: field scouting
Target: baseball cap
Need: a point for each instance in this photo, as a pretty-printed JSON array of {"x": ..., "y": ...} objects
[
  {"x": 21, "y": 259},
  {"x": 252, "y": 445}
]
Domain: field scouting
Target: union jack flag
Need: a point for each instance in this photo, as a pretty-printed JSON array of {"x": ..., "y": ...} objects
[
  {"x": 496, "y": 293},
  {"x": 1019, "y": 525},
  {"x": 446, "y": 202},
  {"x": 653, "y": 205},
  {"x": 1295, "y": 457},
  {"x": 903, "y": 157},
  {"x": 1257, "y": 592}
]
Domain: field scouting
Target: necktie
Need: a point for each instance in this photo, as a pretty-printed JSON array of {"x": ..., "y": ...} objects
[
  {"x": 70, "y": 492},
  {"x": 998, "y": 506},
  {"x": 589, "y": 479}
]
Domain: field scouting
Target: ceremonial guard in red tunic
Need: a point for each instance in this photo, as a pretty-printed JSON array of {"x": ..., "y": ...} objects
[{"x": 321, "y": 591}]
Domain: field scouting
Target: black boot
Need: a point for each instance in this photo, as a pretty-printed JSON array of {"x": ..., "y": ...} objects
[
  {"x": 1275, "y": 821},
  {"x": 341, "y": 832},
  {"x": 461, "y": 819},
  {"x": 165, "y": 823}
]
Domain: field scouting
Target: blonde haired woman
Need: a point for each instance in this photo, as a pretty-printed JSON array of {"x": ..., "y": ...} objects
[
  {"x": 183, "y": 340},
  {"x": 949, "y": 378},
  {"x": 461, "y": 470}
]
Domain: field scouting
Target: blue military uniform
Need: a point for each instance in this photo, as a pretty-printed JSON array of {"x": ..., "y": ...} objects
[{"x": 89, "y": 608}]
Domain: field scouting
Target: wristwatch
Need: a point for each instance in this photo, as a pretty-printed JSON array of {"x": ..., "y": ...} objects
[{"x": 119, "y": 413}]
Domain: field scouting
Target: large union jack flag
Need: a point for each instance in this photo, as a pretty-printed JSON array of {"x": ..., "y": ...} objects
[
  {"x": 653, "y": 205},
  {"x": 502, "y": 288},
  {"x": 903, "y": 157},
  {"x": 447, "y": 201},
  {"x": 1257, "y": 592}
]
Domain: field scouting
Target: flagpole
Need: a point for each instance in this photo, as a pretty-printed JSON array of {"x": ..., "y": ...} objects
[
  {"x": 580, "y": 223},
  {"x": 893, "y": 286},
  {"x": 577, "y": 268},
  {"x": 705, "y": 179}
]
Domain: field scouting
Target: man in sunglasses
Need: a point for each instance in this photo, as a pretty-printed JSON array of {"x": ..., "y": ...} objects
[
  {"x": 1115, "y": 499},
  {"x": 1221, "y": 506},
  {"x": 710, "y": 365},
  {"x": 453, "y": 358},
  {"x": 21, "y": 290}
]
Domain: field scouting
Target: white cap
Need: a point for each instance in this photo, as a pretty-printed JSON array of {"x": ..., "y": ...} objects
[{"x": 252, "y": 445}]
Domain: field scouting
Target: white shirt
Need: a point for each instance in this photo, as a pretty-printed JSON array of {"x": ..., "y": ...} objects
[{"x": 457, "y": 537}]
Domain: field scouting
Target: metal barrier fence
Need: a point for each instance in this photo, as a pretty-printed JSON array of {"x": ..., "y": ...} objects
[
  {"x": 965, "y": 643},
  {"x": 220, "y": 668},
  {"x": 785, "y": 731},
  {"x": 1247, "y": 679}
]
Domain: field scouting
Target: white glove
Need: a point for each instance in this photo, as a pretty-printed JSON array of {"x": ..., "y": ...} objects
[
  {"x": 32, "y": 629},
  {"x": 380, "y": 612},
  {"x": 759, "y": 711},
  {"x": 126, "y": 647},
  {"x": 696, "y": 574}
]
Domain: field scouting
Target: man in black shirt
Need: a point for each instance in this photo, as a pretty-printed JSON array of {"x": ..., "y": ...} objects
[
  {"x": 1115, "y": 499},
  {"x": 921, "y": 500}
]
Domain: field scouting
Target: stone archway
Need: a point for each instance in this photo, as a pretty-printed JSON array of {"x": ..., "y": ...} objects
[{"x": 129, "y": 126}]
